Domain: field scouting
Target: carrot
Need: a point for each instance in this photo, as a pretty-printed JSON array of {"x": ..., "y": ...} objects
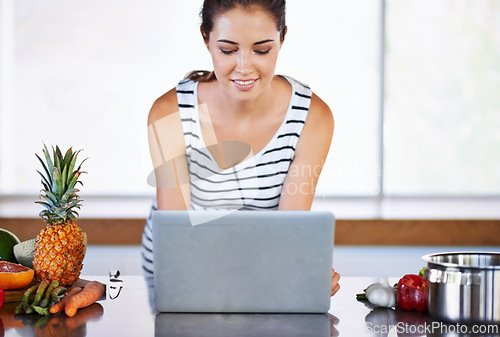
[
  {"x": 60, "y": 305},
  {"x": 90, "y": 294}
]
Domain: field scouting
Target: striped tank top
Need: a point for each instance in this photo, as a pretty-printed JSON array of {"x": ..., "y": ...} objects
[{"x": 254, "y": 183}]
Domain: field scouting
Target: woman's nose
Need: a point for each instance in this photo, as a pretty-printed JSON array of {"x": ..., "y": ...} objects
[{"x": 244, "y": 64}]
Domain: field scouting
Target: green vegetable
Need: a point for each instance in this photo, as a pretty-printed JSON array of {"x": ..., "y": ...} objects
[
  {"x": 40, "y": 291},
  {"x": 41, "y": 311},
  {"x": 23, "y": 306},
  {"x": 46, "y": 299},
  {"x": 58, "y": 294},
  {"x": 29, "y": 310},
  {"x": 361, "y": 297},
  {"x": 40, "y": 297}
]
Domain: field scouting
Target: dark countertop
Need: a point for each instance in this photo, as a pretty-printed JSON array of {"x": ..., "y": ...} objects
[{"x": 132, "y": 313}]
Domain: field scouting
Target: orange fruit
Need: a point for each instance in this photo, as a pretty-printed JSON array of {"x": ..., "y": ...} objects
[{"x": 14, "y": 276}]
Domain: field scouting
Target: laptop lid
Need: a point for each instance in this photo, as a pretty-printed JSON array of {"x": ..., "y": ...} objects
[{"x": 243, "y": 261}]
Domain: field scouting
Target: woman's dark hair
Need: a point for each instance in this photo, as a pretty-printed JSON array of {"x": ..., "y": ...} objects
[{"x": 213, "y": 8}]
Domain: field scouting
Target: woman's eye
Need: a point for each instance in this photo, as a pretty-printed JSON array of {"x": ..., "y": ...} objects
[
  {"x": 227, "y": 52},
  {"x": 262, "y": 52}
]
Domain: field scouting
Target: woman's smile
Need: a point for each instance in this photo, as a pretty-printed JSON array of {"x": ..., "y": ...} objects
[{"x": 245, "y": 84}]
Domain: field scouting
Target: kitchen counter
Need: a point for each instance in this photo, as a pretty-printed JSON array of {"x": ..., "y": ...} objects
[{"x": 132, "y": 313}]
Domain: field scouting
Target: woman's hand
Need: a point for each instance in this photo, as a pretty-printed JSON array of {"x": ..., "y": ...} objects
[{"x": 335, "y": 282}]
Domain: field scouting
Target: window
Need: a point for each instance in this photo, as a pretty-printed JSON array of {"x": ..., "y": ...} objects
[
  {"x": 84, "y": 74},
  {"x": 412, "y": 84},
  {"x": 339, "y": 55},
  {"x": 442, "y": 110}
]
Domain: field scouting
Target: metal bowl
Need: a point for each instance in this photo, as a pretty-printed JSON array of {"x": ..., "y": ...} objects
[{"x": 464, "y": 286}]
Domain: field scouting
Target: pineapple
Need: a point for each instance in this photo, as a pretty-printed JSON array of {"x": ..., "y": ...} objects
[{"x": 60, "y": 246}]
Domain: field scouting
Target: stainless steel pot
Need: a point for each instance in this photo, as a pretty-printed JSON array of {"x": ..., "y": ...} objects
[{"x": 464, "y": 286}]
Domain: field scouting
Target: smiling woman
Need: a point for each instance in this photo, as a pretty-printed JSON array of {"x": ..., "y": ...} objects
[
  {"x": 242, "y": 101},
  {"x": 194, "y": 127}
]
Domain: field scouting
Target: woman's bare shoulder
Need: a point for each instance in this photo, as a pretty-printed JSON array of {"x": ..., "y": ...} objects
[
  {"x": 164, "y": 106},
  {"x": 320, "y": 113},
  {"x": 318, "y": 129}
]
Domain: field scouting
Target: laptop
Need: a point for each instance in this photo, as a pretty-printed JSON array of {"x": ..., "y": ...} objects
[{"x": 242, "y": 261}]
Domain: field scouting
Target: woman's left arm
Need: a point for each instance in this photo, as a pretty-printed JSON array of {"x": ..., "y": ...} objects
[{"x": 310, "y": 155}]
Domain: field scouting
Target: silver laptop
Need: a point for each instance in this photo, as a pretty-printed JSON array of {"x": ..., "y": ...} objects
[{"x": 243, "y": 261}]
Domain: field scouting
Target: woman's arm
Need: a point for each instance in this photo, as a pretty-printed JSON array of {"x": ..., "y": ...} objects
[
  {"x": 168, "y": 153},
  {"x": 310, "y": 155}
]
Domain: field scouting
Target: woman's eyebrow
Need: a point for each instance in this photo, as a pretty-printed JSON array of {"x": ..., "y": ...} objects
[
  {"x": 235, "y": 43},
  {"x": 263, "y": 41}
]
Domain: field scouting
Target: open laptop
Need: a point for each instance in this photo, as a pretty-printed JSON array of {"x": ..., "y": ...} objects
[{"x": 243, "y": 261}]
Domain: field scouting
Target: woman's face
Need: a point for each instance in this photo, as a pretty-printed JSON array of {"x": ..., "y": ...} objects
[{"x": 244, "y": 45}]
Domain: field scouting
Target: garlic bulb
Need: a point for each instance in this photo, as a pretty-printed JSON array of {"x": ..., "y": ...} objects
[{"x": 381, "y": 294}]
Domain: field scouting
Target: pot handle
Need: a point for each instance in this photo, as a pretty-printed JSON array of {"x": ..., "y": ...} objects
[{"x": 452, "y": 276}]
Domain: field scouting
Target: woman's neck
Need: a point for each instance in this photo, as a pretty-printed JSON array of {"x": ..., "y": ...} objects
[{"x": 229, "y": 107}]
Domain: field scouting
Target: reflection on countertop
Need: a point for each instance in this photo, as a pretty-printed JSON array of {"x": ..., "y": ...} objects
[
  {"x": 385, "y": 322},
  {"x": 53, "y": 325},
  {"x": 243, "y": 325}
]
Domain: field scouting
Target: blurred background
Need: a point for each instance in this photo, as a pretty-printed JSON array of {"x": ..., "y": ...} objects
[{"x": 413, "y": 85}]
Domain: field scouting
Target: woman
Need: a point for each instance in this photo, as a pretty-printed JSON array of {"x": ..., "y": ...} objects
[{"x": 239, "y": 137}]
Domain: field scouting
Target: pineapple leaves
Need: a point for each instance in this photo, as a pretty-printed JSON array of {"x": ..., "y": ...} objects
[
  {"x": 59, "y": 196},
  {"x": 75, "y": 203},
  {"x": 45, "y": 182},
  {"x": 68, "y": 157},
  {"x": 79, "y": 167},
  {"x": 46, "y": 205},
  {"x": 63, "y": 178},
  {"x": 74, "y": 179},
  {"x": 57, "y": 184},
  {"x": 72, "y": 166},
  {"x": 69, "y": 193},
  {"x": 51, "y": 197},
  {"x": 57, "y": 152},
  {"x": 48, "y": 178},
  {"x": 69, "y": 161},
  {"x": 50, "y": 165}
]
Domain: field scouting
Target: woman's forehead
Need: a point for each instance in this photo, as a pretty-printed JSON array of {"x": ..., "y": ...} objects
[{"x": 240, "y": 23}]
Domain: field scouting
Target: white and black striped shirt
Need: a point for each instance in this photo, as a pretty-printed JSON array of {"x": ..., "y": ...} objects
[{"x": 253, "y": 184}]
